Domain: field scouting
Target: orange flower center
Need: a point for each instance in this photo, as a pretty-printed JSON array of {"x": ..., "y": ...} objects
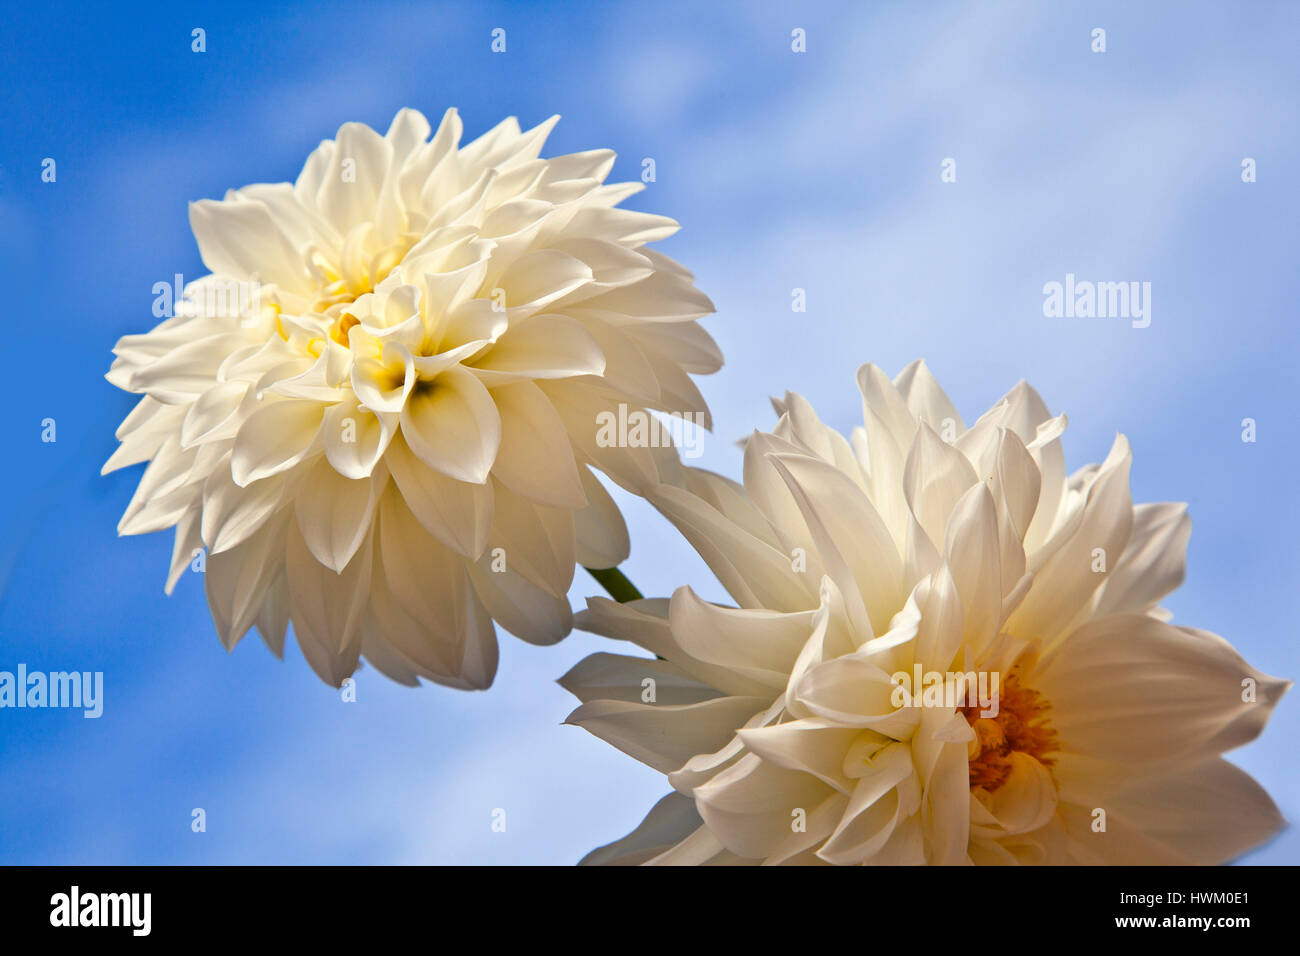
[{"x": 1021, "y": 726}]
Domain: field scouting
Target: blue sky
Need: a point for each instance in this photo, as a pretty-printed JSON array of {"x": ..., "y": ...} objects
[{"x": 817, "y": 171}]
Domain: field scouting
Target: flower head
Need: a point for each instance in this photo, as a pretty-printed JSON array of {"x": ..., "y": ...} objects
[
  {"x": 946, "y": 650},
  {"x": 377, "y": 414}
]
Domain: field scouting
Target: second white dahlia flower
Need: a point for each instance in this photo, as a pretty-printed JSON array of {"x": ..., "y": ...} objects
[
  {"x": 378, "y": 413},
  {"x": 945, "y": 650}
]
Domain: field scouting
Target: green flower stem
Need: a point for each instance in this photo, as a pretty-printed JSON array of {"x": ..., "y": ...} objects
[{"x": 616, "y": 583}]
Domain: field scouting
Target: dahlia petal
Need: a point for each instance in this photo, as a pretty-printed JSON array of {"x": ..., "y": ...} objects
[
  {"x": 1153, "y": 563},
  {"x": 535, "y": 459},
  {"x": 624, "y": 360},
  {"x": 754, "y": 573},
  {"x": 535, "y": 540},
  {"x": 619, "y": 677},
  {"x": 583, "y": 409},
  {"x": 185, "y": 372},
  {"x": 852, "y": 542},
  {"x": 972, "y": 555},
  {"x": 925, "y": 399},
  {"x": 936, "y": 475},
  {"x": 665, "y": 736},
  {"x": 812, "y": 745},
  {"x": 600, "y": 533},
  {"x": 750, "y": 807},
  {"x": 1106, "y": 704},
  {"x": 273, "y": 618},
  {"x": 1027, "y": 800},
  {"x": 669, "y": 821},
  {"x": 355, "y": 438},
  {"x": 453, "y": 426},
  {"x": 237, "y": 581},
  {"x": 1210, "y": 813},
  {"x": 873, "y": 809},
  {"x": 425, "y": 597},
  {"x": 542, "y": 347},
  {"x": 186, "y": 544},
  {"x": 626, "y": 226},
  {"x": 728, "y": 498},
  {"x": 274, "y": 438},
  {"x": 154, "y": 424},
  {"x": 457, "y": 513},
  {"x": 348, "y": 201},
  {"x": 213, "y": 409},
  {"x": 882, "y": 403},
  {"x": 232, "y": 514},
  {"x": 335, "y": 513},
  {"x": 327, "y": 608},
  {"x": 759, "y": 644},
  {"x": 238, "y": 237},
  {"x": 1066, "y": 581},
  {"x": 521, "y": 607},
  {"x": 685, "y": 343}
]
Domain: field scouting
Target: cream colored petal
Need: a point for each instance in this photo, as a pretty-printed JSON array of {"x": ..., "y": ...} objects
[
  {"x": 232, "y": 514},
  {"x": 755, "y": 574},
  {"x": 855, "y": 692},
  {"x": 457, "y": 513},
  {"x": 275, "y": 438},
  {"x": 759, "y": 644},
  {"x": 925, "y": 399},
  {"x": 239, "y": 238},
  {"x": 601, "y": 534},
  {"x": 1067, "y": 580},
  {"x": 1154, "y": 562},
  {"x": 645, "y": 623},
  {"x": 874, "y": 809},
  {"x": 535, "y": 459},
  {"x": 542, "y": 347},
  {"x": 327, "y": 608},
  {"x": 813, "y": 745},
  {"x": 972, "y": 555},
  {"x": 665, "y": 736},
  {"x": 585, "y": 411},
  {"x": 752, "y": 806},
  {"x": 335, "y": 513},
  {"x": 669, "y": 821},
  {"x": 355, "y": 438},
  {"x": 453, "y": 426},
  {"x": 604, "y": 676},
  {"x": 1027, "y": 799},
  {"x": 1211, "y": 813},
  {"x": 237, "y": 581},
  {"x": 1133, "y": 690},
  {"x": 935, "y": 477},
  {"x": 521, "y": 607},
  {"x": 536, "y": 541}
]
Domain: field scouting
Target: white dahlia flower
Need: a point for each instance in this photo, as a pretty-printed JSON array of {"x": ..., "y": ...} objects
[
  {"x": 823, "y": 720},
  {"x": 378, "y": 413}
]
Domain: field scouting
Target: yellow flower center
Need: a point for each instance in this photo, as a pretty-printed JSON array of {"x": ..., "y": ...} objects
[
  {"x": 339, "y": 330},
  {"x": 1021, "y": 726}
]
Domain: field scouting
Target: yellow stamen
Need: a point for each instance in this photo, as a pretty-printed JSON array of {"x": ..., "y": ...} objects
[
  {"x": 1021, "y": 726},
  {"x": 344, "y": 323}
]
